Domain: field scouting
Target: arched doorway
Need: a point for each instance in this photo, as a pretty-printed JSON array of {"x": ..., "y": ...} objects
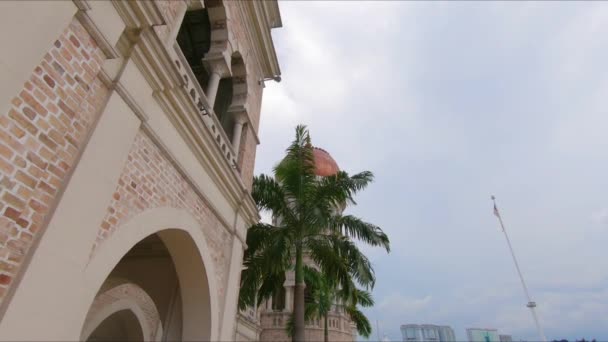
[{"x": 167, "y": 266}]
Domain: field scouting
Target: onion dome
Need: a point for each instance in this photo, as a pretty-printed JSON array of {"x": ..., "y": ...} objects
[{"x": 325, "y": 165}]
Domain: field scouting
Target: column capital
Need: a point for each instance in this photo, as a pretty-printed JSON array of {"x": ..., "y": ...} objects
[
  {"x": 239, "y": 115},
  {"x": 217, "y": 64}
]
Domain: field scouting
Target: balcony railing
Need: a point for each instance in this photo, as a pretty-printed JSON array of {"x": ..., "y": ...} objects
[{"x": 206, "y": 113}]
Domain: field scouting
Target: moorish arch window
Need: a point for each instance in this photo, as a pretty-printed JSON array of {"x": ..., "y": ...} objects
[
  {"x": 223, "y": 100},
  {"x": 202, "y": 39},
  {"x": 231, "y": 95},
  {"x": 194, "y": 39}
]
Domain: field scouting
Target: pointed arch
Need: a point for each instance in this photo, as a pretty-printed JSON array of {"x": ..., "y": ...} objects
[
  {"x": 185, "y": 241},
  {"x": 124, "y": 297}
]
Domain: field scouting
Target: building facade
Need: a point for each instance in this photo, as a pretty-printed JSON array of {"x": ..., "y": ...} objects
[
  {"x": 505, "y": 338},
  {"x": 482, "y": 335},
  {"x": 128, "y": 132},
  {"x": 268, "y": 322},
  {"x": 427, "y": 333}
]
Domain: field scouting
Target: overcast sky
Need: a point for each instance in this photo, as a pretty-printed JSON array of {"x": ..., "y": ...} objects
[{"x": 449, "y": 103}]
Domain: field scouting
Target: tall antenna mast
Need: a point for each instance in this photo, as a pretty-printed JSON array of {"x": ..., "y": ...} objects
[{"x": 531, "y": 304}]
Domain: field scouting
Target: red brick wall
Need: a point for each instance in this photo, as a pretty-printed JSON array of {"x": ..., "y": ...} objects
[
  {"x": 149, "y": 180},
  {"x": 40, "y": 138}
]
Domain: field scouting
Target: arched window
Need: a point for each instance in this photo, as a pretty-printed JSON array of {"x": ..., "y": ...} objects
[
  {"x": 194, "y": 39},
  {"x": 222, "y": 103}
]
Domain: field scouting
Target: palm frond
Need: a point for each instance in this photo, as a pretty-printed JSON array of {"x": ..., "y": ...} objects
[
  {"x": 356, "y": 228},
  {"x": 362, "y": 324},
  {"x": 295, "y": 172},
  {"x": 290, "y": 326},
  {"x": 332, "y": 263},
  {"x": 268, "y": 194}
]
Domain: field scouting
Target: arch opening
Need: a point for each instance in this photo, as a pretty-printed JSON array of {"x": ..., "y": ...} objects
[
  {"x": 194, "y": 39},
  {"x": 217, "y": 65},
  {"x": 231, "y": 97},
  {"x": 120, "y": 326},
  {"x": 163, "y": 277}
]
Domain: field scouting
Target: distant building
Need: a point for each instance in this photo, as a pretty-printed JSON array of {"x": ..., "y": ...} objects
[
  {"x": 505, "y": 338},
  {"x": 482, "y": 335},
  {"x": 427, "y": 333}
]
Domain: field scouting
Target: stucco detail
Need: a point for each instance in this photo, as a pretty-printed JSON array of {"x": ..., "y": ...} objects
[
  {"x": 149, "y": 180},
  {"x": 40, "y": 138},
  {"x": 120, "y": 297},
  {"x": 170, "y": 10}
]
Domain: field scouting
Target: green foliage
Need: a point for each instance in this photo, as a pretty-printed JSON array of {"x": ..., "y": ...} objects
[{"x": 307, "y": 219}]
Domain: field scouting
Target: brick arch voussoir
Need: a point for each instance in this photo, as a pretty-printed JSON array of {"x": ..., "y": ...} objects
[{"x": 118, "y": 296}]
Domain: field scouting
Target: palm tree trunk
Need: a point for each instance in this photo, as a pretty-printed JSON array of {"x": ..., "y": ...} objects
[
  {"x": 326, "y": 332},
  {"x": 298, "y": 298}
]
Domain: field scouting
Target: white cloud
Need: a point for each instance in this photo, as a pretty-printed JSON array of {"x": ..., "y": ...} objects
[
  {"x": 399, "y": 304},
  {"x": 600, "y": 217},
  {"x": 448, "y": 103}
]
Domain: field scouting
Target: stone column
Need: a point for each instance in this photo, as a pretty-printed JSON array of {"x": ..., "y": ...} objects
[
  {"x": 214, "y": 82},
  {"x": 239, "y": 121},
  {"x": 288, "y": 298},
  {"x": 219, "y": 67}
]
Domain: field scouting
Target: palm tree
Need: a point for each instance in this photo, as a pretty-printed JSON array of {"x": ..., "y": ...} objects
[
  {"x": 304, "y": 208},
  {"x": 325, "y": 294}
]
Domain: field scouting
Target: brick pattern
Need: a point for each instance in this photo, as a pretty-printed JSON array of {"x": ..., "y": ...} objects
[
  {"x": 132, "y": 292},
  {"x": 149, "y": 180},
  {"x": 40, "y": 137}
]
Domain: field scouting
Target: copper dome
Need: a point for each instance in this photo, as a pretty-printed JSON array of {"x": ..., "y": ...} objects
[{"x": 325, "y": 165}]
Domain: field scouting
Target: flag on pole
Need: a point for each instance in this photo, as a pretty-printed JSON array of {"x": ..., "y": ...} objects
[{"x": 497, "y": 214}]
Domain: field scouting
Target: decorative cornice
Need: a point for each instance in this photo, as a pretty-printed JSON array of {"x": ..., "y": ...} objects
[
  {"x": 86, "y": 21},
  {"x": 269, "y": 62},
  {"x": 273, "y": 14},
  {"x": 156, "y": 63}
]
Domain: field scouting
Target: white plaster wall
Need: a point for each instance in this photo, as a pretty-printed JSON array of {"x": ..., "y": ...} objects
[
  {"x": 232, "y": 292},
  {"x": 29, "y": 30},
  {"x": 106, "y": 20}
]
